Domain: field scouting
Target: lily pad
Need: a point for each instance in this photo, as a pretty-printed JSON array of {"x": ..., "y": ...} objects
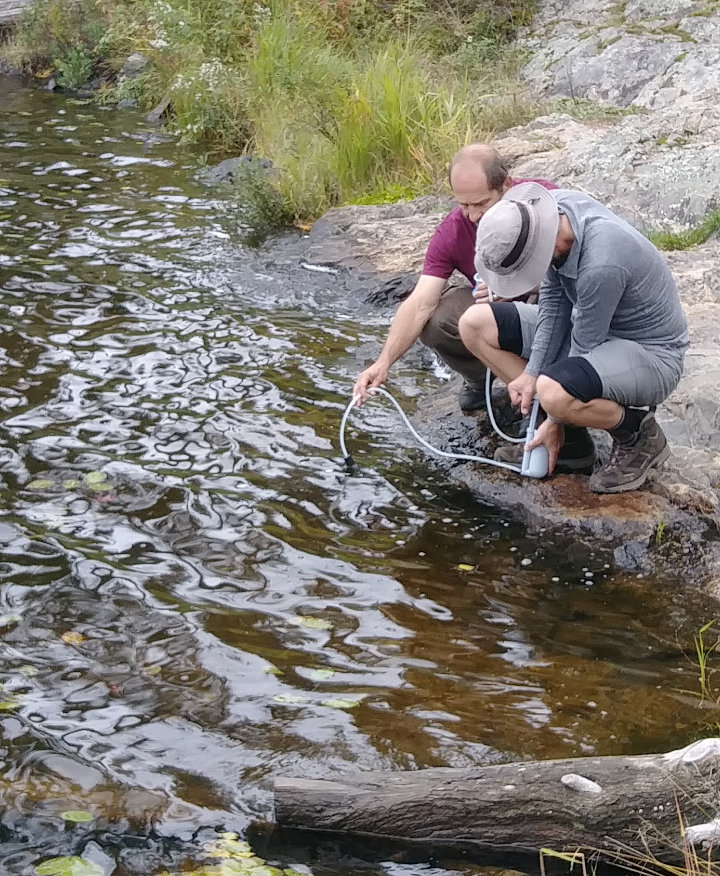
[
  {"x": 9, "y": 620},
  {"x": 464, "y": 567},
  {"x": 314, "y": 623},
  {"x": 72, "y": 638},
  {"x": 272, "y": 670},
  {"x": 41, "y": 484},
  {"x": 76, "y": 816},
  {"x": 71, "y": 483},
  {"x": 95, "y": 477},
  {"x": 8, "y": 705},
  {"x": 69, "y": 866}
]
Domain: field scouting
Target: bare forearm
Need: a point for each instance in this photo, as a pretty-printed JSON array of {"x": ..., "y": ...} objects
[
  {"x": 410, "y": 318},
  {"x": 406, "y": 328},
  {"x": 407, "y": 325}
]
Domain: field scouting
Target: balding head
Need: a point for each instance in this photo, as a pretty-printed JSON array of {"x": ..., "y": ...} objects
[
  {"x": 484, "y": 157},
  {"x": 478, "y": 178}
]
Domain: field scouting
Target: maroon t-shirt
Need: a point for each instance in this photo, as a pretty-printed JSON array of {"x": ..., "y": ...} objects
[{"x": 452, "y": 247}]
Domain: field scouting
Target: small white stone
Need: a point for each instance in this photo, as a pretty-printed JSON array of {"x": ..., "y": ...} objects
[{"x": 580, "y": 783}]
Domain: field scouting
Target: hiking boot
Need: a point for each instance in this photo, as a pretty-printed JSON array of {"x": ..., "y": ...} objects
[
  {"x": 577, "y": 455},
  {"x": 471, "y": 397},
  {"x": 631, "y": 460}
]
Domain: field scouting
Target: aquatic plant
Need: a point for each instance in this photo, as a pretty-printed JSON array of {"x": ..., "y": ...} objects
[
  {"x": 234, "y": 857},
  {"x": 703, "y": 650}
]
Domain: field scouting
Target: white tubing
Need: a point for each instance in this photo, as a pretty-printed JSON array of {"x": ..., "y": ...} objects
[
  {"x": 488, "y": 405},
  {"x": 529, "y": 467},
  {"x": 464, "y": 456}
]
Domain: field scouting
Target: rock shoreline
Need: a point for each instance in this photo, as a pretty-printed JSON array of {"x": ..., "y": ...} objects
[{"x": 659, "y": 167}]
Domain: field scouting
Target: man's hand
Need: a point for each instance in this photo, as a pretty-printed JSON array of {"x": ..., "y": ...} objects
[
  {"x": 551, "y": 435},
  {"x": 481, "y": 293},
  {"x": 371, "y": 377},
  {"x": 522, "y": 391}
]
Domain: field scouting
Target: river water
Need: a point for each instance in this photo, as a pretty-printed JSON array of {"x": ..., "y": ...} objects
[{"x": 195, "y": 596}]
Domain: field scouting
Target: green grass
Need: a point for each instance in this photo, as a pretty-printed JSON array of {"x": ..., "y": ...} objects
[
  {"x": 63, "y": 35},
  {"x": 349, "y": 99},
  {"x": 669, "y": 240},
  {"x": 582, "y": 108}
]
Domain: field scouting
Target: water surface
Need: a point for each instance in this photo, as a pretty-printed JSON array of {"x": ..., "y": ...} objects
[{"x": 196, "y": 597}]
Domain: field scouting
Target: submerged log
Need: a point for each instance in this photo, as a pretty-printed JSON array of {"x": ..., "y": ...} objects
[{"x": 616, "y": 807}]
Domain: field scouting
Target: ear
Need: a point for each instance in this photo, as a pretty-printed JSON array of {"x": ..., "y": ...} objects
[{"x": 507, "y": 185}]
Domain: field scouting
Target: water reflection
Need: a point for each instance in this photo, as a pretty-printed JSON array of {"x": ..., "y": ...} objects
[{"x": 195, "y": 596}]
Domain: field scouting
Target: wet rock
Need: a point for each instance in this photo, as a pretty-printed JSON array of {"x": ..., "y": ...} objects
[
  {"x": 133, "y": 66},
  {"x": 142, "y": 862},
  {"x": 392, "y": 291},
  {"x": 389, "y": 238},
  {"x": 156, "y": 116},
  {"x": 632, "y": 555},
  {"x": 92, "y": 852},
  {"x": 229, "y": 169}
]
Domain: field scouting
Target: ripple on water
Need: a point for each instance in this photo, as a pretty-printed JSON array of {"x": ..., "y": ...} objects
[{"x": 195, "y": 596}]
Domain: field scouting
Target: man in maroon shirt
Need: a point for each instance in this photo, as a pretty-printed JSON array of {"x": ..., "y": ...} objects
[{"x": 478, "y": 178}]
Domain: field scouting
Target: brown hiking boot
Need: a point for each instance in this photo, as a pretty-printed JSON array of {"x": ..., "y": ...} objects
[
  {"x": 630, "y": 461},
  {"x": 471, "y": 397},
  {"x": 577, "y": 455}
]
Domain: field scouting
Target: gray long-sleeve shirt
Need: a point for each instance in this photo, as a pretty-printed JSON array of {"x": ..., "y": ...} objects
[{"x": 618, "y": 283}]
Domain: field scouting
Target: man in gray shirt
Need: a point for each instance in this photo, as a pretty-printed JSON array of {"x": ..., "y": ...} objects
[{"x": 609, "y": 337}]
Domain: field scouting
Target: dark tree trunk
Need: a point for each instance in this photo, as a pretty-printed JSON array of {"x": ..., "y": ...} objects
[{"x": 601, "y": 805}]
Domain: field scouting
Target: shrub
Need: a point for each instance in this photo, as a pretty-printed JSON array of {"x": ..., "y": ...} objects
[
  {"x": 261, "y": 207},
  {"x": 350, "y": 99},
  {"x": 74, "y": 66},
  {"x": 57, "y": 29}
]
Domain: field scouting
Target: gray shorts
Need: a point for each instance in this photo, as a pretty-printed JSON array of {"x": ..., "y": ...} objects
[{"x": 630, "y": 373}]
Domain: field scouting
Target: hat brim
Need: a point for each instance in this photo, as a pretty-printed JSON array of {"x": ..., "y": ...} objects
[{"x": 532, "y": 273}]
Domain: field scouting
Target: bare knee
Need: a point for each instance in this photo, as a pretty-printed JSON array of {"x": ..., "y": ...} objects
[
  {"x": 478, "y": 323},
  {"x": 555, "y": 400}
]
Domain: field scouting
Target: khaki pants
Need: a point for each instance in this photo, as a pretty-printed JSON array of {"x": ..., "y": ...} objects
[{"x": 441, "y": 334}]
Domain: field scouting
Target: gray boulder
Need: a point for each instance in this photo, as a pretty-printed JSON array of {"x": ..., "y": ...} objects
[{"x": 229, "y": 169}]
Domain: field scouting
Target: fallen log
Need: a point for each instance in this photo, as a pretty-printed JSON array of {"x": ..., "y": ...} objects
[{"x": 615, "y": 808}]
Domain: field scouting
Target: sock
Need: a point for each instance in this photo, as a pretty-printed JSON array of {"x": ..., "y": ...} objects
[
  {"x": 574, "y": 433},
  {"x": 628, "y": 425}
]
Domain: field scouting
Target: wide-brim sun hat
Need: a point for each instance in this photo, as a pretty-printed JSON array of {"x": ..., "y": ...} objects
[{"x": 515, "y": 240}]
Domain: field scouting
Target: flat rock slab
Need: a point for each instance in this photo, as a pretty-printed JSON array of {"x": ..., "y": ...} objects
[
  {"x": 10, "y": 10},
  {"x": 669, "y": 523}
]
